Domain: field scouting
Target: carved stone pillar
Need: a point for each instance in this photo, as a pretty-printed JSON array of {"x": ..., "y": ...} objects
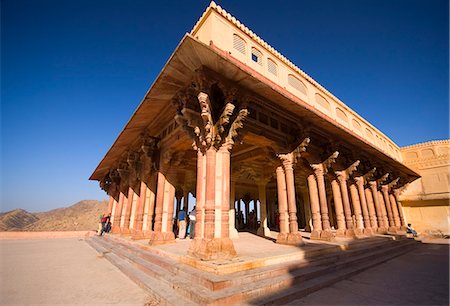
[
  {"x": 282, "y": 206},
  {"x": 232, "y": 212},
  {"x": 395, "y": 211},
  {"x": 131, "y": 199},
  {"x": 118, "y": 214},
  {"x": 113, "y": 212},
  {"x": 315, "y": 207},
  {"x": 381, "y": 227},
  {"x": 364, "y": 206},
  {"x": 387, "y": 201},
  {"x": 340, "y": 232},
  {"x": 163, "y": 231},
  {"x": 307, "y": 207},
  {"x": 110, "y": 205},
  {"x": 225, "y": 190},
  {"x": 383, "y": 209},
  {"x": 342, "y": 178},
  {"x": 136, "y": 233},
  {"x": 178, "y": 197},
  {"x": 200, "y": 194},
  {"x": 149, "y": 207},
  {"x": 246, "y": 199},
  {"x": 371, "y": 208},
  {"x": 263, "y": 230},
  {"x": 357, "y": 209},
  {"x": 326, "y": 233},
  {"x": 159, "y": 202},
  {"x": 400, "y": 211},
  {"x": 294, "y": 237}
]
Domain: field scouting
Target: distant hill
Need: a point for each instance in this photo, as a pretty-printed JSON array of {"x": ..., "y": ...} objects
[{"x": 80, "y": 216}]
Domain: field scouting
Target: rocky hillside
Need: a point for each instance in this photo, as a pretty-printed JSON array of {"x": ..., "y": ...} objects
[
  {"x": 80, "y": 216},
  {"x": 16, "y": 220}
]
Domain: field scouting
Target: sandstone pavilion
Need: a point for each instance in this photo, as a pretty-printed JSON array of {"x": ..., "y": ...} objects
[{"x": 235, "y": 124}]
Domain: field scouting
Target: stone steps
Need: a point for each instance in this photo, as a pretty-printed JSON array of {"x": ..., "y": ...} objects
[{"x": 275, "y": 283}]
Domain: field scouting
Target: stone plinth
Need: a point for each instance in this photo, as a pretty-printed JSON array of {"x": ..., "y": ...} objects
[
  {"x": 290, "y": 238},
  {"x": 212, "y": 249},
  {"x": 140, "y": 235},
  {"x": 157, "y": 238}
]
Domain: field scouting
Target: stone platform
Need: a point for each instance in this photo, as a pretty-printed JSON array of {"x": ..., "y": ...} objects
[{"x": 263, "y": 272}]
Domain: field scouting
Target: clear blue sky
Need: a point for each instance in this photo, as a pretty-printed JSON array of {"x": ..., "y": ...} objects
[{"x": 73, "y": 72}]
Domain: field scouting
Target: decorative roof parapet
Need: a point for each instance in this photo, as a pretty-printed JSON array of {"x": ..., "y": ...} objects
[
  {"x": 426, "y": 144},
  {"x": 246, "y": 30}
]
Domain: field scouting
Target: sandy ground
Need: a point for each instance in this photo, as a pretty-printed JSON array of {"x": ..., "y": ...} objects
[{"x": 61, "y": 271}]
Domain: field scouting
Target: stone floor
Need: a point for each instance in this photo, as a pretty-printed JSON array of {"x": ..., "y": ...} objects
[{"x": 68, "y": 271}]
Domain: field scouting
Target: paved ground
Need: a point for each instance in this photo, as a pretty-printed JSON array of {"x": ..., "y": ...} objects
[
  {"x": 420, "y": 277},
  {"x": 61, "y": 271},
  {"x": 69, "y": 271}
]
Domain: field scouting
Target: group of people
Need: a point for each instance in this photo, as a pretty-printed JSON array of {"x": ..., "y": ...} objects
[
  {"x": 185, "y": 223},
  {"x": 104, "y": 226}
]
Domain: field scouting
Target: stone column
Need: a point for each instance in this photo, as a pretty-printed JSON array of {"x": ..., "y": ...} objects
[
  {"x": 225, "y": 190},
  {"x": 131, "y": 198},
  {"x": 200, "y": 194},
  {"x": 263, "y": 230},
  {"x": 339, "y": 209},
  {"x": 136, "y": 233},
  {"x": 342, "y": 178},
  {"x": 371, "y": 208},
  {"x": 178, "y": 197},
  {"x": 294, "y": 237},
  {"x": 149, "y": 207},
  {"x": 118, "y": 215},
  {"x": 381, "y": 227},
  {"x": 212, "y": 247},
  {"x": 159, "y": 202},
  {"x": 357, "y": 209},
  {"x": 395, "y": 211},
  {"x": 384, "y": 191},
  {"x": 110, "y": 205},
  {"x": 282, "y": 206},
  {"x": 113, "y": 212},
  {"x": 326, "y": 233},
  {"x": 400, "y": 211},
  {"x": 165, "y": 194},
  {"x": 186, "y": 200},
  {"x": 364, "y": 207},
  {"x": 315, "y": 207},
  {"x": 383, "y": 209},
  {"x": 232, "y": 212}
]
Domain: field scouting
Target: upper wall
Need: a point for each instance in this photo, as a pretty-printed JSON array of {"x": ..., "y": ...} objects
[{"x": 228, "y": 34}]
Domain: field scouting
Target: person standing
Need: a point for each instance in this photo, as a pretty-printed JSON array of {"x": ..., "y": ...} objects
[
  {"x": 182, "y": 224},
  {"x": 192, "y": 223}
]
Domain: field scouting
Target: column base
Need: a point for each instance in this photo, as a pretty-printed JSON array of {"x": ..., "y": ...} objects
[
  {"x": 403, "y": 228},
  {"x": 263, "y": 231},
  {"x": 290, "y": 238},
  {"x": 369, "y": 231},
  {"x": 141, "y": 235},
  {"x": 350, "y": 233},
  {"x": 392, "y": 229},
  {"x": 340, "y": 233},
  {"x": 157, "y": 238},
  {"x": 115, "y": 230},
  {"x": 211, "y": 249},
  {"x": 315, "y": 235},
  {"x": 359, "y": 232},
  {"x": 381, "y": 230},
  {"x": 326, "y": 235},
  {"x": 125, "y": 231}
]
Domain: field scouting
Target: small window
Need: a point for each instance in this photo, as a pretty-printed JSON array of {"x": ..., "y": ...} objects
[
  {"x": 256, "y": 56},
  {"x": 238, "y": 43},
  {"x": 297, "y": 84},
  {"x": 272, "y": 67},
  {"x": 274, "y": 123}
]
